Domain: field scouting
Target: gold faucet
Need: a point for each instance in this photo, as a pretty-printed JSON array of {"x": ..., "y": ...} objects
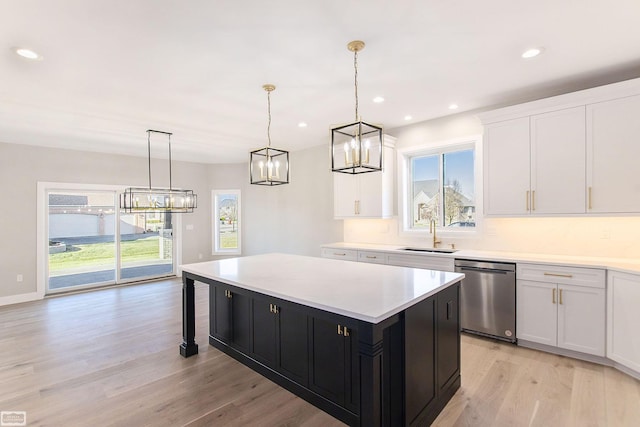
[{"x": 432, "y": 230}]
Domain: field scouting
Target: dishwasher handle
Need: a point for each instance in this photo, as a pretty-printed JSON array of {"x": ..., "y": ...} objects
[{"x": 484, "y": 270}]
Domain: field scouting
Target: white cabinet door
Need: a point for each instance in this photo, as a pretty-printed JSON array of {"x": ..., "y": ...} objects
[
  {"x": 581, "y": 319},
  {"x": 536, "y": 312},
  {"x": 345, "y": 195},
  {"x": 623, "y": 319},
  {"x": 558, "y": 162},
  {"x": 366, "y": 195},
  {"x": 613, "y": 150},
  {"x": 370, "y": 197},
  {"x": 506, "y": 167}
]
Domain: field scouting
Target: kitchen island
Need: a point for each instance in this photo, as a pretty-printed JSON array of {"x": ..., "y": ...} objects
[{"x": 372, "y": 345}]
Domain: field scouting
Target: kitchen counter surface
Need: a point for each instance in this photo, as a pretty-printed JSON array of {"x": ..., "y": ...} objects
[
  {"x": 371, "y": 293},
  {"x": 626, "y": 265}
]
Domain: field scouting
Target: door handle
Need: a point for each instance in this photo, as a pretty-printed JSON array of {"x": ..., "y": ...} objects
[
  {"x": 553, "y": 296},
  {"x": 560, "y": 296}
]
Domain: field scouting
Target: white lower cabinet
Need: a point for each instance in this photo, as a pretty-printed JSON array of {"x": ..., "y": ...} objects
[
  {"x": 430, "y": 262},
  {"x": 623, "y": 319},
  {"x": 343, "y": 254},
  {"x": 562, "y": 307}
]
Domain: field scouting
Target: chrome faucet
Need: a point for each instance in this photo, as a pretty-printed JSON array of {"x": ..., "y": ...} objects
[{"x": 432, "y": 230}]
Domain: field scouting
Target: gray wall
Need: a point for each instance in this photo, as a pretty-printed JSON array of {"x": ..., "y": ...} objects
[{"x": 294, "y": 218}]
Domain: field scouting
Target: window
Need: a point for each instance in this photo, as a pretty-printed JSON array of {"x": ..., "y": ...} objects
[
  {"x": 226, "y": 221},
  {"x": 440, "y": 187}
]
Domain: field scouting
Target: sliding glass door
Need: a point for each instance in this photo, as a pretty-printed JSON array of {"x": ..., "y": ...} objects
[
  {"x": 146, "y": 245},
  {"x": 91, "y": 243}
]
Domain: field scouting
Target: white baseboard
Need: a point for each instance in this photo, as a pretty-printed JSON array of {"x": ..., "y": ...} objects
[{"x": 16, "y": 299}]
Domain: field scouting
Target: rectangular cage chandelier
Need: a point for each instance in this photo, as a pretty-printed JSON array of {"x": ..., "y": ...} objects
[{"x": 163, "y": 200}]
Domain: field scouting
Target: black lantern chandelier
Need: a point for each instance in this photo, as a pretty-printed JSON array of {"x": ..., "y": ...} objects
[
  {"x": 269, "y": 166},
  {"x": 356, "y": 147},
  {"x": 165, "y": 200}
]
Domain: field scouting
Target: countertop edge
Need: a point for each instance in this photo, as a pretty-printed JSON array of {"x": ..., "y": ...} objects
[{"x": 623, "y": 265}]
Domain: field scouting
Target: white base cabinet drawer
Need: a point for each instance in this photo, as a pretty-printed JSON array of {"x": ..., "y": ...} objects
[
  {"x": 559, "y": 274},
  {"x": 372, "y": 257},
  {"x": 344, "y": 254}
]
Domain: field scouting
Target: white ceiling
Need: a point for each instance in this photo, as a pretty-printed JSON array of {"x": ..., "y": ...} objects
[{"x": 114, "y": 68}]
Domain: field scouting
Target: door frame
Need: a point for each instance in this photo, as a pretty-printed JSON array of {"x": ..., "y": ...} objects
[{"x": 42, "y": 236}]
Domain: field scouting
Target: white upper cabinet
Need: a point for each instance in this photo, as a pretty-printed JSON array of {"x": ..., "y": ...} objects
[
  {"x": 571, "y": 154},
  {"x": 613, "y": 153},
  {"x": 558, "y": 162},
  {"x": 506, "y": 167},
  {"x": 366, "y": 195}
]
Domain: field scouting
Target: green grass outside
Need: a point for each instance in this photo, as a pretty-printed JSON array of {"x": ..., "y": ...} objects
[
  {"x": 101, "y": 254},
  {"x": 229, "y": 240}
]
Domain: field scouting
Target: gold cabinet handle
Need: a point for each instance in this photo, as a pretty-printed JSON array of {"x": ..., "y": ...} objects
[
  {"x": 527, "y": 200},
  {"x": 346, "y": 331},
  {"x": 589, "y": 199},
  {"x": 228, "y": 294},
  {"x": 339, "y": 330},
  {"x": 338, "y": 254},
  {"x": 371, "y": 257},
  {"x": 533, "y": 200},
  {"x": 553, "y": 296},
  {"x": 569, "y": 276},
  {"x": 560, "y": 296}
]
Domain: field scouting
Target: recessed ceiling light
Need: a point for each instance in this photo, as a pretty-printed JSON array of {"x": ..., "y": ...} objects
[
  {"x": 408, "y": 117},
  {"x": 453, "y": 107},
  {"x": 532, "y": 53},
  {"x": 302, "y": 125},
  {"x": 378, "y": 99},
  {"x": 28, "y": 53}
]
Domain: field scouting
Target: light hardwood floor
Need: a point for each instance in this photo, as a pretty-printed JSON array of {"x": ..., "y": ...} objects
[{"x": 110, "y": 357}]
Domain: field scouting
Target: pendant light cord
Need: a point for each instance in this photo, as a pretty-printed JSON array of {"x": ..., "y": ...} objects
[
  {"x": 269, "y": 124},
  {"x": 355, "y": 66}
]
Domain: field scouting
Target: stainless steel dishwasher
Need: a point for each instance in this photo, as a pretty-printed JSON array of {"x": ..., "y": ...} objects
[{"x": 488, "y": 298}]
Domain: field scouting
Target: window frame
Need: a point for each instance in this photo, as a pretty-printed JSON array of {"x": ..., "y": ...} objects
[
  {"x": 405, "y": 201},
  {"x": 215, "y": 238}
]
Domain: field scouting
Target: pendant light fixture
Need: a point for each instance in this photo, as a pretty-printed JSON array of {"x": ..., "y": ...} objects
[
  {"x": 165, "y": 200},
  {"x": 269, "y": 166},
  {"x": 356, "y": 147}
]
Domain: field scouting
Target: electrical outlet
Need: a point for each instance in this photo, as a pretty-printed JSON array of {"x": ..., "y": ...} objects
[
  {"x": 189, "y": 227},
  {"x": 19, "y": 278},
  {"x": 199, "y": 256}
]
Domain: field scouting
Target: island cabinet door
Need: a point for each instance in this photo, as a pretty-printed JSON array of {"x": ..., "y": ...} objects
[
  {"x": 420, "y": 353},
  {"x": 334, "y": 362},
  {"x": 230, "y": 319},
  {"x": 448, "y": 337},
  {"x": 293, "y": 342},
  {"x": 264, "y": 332}
]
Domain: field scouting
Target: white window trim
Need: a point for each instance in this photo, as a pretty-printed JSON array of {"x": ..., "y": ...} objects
[
  {"x": 42, "y": 232},
  {"x": 215, "y": 243},
  {"x": 404, "y": 199}
]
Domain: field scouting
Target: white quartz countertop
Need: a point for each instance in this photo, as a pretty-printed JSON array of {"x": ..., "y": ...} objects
[
  {"x": 627, "y": 265},
  {"x": 367, "y": 292}
]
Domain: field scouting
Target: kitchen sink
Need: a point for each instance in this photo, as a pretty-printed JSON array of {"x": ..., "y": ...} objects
[{"x": 432, "y": 250}]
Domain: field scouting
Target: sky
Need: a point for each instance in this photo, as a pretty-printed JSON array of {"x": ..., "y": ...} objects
[{"x": 457, "y": 164}]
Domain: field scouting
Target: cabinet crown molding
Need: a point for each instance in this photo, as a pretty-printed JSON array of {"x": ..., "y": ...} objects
[{"x": 561, "y": 102}]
